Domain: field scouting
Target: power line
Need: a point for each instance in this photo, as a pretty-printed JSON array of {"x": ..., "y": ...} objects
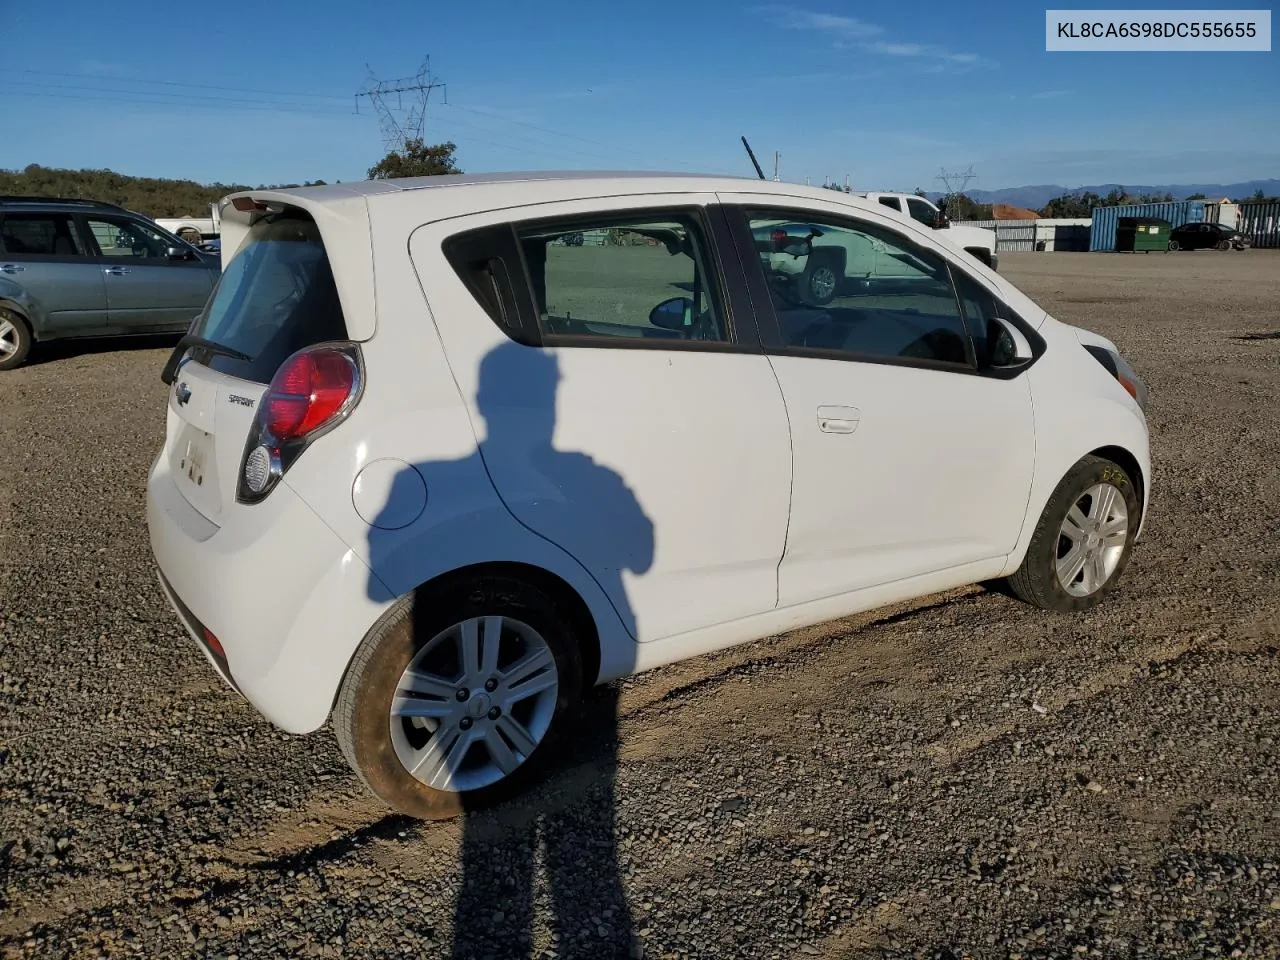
[
  {"x": 179, "y": 98},
  {"x": 397, "y": 132},
  {"x": 174, "y": 83},
  {"x": 220, "y": 105},
  {"x": 326, "y": 106},
  {"x": 962, "y": 177},
  {"x": 394, "y": 86}
]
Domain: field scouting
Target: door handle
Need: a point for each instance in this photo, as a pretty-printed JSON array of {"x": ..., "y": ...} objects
[
  {"x": 115, "y": 271},
  {"x": 838, "y": 419},
  {"x": 13, "y": 268}
]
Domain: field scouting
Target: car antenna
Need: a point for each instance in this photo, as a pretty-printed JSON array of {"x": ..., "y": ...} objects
[{"x": 754, "y": 162}]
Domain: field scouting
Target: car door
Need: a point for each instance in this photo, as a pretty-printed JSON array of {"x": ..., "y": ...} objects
[
  {"x": 661, "y": 459},
  {"x": 907, "y": 459},
  {"x": 147, "y": 291},
  {"x": 46, "y": 263}
]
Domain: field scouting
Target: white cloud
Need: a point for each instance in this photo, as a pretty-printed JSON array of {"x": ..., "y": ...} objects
[
  {"x": 851, "y": 33},
  {"x": 798, "y": 19}
]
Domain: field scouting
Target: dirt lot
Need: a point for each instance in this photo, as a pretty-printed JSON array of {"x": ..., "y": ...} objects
[{"x": 961, "y": 777}]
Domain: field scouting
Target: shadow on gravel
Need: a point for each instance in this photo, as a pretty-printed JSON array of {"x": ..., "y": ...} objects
[
  {"x": 1272, "y": 335},
  {"x": 52, "y": 351},
  {"x": 562, "y": 828}
]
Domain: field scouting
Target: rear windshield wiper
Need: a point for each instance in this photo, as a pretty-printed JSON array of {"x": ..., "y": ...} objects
[{"x": 191, "y": 340}]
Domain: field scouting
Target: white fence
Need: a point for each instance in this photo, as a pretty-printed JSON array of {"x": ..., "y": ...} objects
[{"x": 1021, "y": 236}]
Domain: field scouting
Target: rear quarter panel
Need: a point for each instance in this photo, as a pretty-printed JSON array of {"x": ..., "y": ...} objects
[{"x": 411, "y": 412}]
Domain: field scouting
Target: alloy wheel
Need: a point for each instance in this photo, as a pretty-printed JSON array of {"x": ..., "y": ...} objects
[
  {"x": 474, "y": 703},
  {"x": 8, "y": 338},
  {"x": 822, "y": 282},
  {"x": 1092, "y": 540}
]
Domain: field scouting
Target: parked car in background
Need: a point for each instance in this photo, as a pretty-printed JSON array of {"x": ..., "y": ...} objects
[
  {"x": 978, "y": 242},
  {"x": 1208, "y": 236},
  {"x": 431, "y": 472},
  {"x": 811, "y": 265},
  {"x": 83, "y": 268}
]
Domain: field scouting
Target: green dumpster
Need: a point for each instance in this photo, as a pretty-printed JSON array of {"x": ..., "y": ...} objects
[{"x": 1142, "y": 234}]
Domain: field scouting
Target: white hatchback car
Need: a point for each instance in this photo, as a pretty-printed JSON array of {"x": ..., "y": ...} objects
[{"x": 443, "y": 452}]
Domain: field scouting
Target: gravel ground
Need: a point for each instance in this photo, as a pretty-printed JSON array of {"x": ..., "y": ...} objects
[{"x": 959, "y": 777}]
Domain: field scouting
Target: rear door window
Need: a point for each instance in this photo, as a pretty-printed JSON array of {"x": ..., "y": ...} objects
[
  {"x": 646, "y": 278},
  {"x": 40, "y": 235},
  {"x": 277, "y": 296}
]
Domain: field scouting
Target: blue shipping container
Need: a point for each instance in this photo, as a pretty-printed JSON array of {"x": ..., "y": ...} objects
[{"x": 1102, "y": 232}]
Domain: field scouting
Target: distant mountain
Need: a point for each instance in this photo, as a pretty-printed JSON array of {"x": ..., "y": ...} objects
[{"x": 1036, "y": 197}]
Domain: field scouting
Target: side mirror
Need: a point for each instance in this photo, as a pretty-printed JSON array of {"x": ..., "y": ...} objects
[
  {"x": 940, "y": 222},
  {"x": 673, "y": 314},
  {"x": 1007, "y": 346},
  {"x": 177, "y": 253}
]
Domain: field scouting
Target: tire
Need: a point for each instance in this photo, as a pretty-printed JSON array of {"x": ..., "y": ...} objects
[
  {"x": 373, "y": 743},
  {"x": 15, "y": 340},
  {"x": 1037, "y": 580},
  {"x": 1174, "y": 246},
  {"x": 818, "y": 285},
  {"x": 1224, "y": 245}
]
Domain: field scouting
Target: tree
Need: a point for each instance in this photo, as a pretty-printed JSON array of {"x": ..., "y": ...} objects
[
  {"x": 960, "y": 206},
  {"x": 150, "y": 196},
  {"x": 1197, "y": 196},
  {"x": 416, "y": 159}
]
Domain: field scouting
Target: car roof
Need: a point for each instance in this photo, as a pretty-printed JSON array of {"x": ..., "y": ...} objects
[
  {"x": 36, "y": 204},
  {"x": 568, "y": 183}
]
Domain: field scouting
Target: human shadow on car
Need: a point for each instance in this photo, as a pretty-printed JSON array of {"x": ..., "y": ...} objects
[{"x": 526, "y": 837}]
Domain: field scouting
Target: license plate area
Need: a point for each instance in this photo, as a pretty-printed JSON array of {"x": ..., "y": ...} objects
[{"x": 193, "y": 462}]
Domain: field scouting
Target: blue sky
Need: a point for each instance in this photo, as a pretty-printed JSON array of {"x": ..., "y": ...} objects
[{"x": 887, "y": 93}]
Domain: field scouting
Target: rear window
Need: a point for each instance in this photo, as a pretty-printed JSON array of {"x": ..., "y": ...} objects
[{"x": 277, "y": 296}]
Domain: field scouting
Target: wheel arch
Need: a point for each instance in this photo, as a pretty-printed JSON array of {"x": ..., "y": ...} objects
[
  {"x": 559, "y": 589},
  {"x": 24, "y": 312},
  {"x": 1127, "y": 462},
  {"x": 17, "y": 310}
]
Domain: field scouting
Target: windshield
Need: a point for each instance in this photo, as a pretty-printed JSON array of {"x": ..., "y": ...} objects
[{"x": 276, "y": 297}]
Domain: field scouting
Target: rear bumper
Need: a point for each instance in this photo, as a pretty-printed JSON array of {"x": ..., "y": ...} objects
[
  {"x": 284, "y": 597},
  {"x": 217, "y": 659}
]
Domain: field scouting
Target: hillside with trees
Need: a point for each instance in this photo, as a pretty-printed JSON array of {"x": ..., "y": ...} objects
[
  {"x": 150, "y": 196},
  {"x": 158, "y": 197}
]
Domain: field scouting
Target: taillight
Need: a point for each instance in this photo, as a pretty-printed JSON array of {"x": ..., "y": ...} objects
[
  {"x": 312, "y": 392},
  {"x": 307, "y": 392},
  {"x": 214, "y": 643}
]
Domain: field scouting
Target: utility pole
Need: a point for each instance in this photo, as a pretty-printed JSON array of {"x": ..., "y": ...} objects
[
  {"x": 949, "y": 180},
  {"x": 777, "y": 159},
  {"x": 387, "y": 97}
]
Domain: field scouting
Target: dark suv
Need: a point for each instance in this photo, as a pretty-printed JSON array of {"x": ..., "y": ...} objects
[{"x": 83, "y": 268}]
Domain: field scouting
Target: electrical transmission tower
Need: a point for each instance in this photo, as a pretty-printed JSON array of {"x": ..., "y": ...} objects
[
  {"x": 950, "y": 179},
  {"x": 401, "y": 124}
]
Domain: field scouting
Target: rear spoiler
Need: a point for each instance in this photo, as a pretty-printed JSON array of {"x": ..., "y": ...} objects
[{"x": 343, "y": 219}]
